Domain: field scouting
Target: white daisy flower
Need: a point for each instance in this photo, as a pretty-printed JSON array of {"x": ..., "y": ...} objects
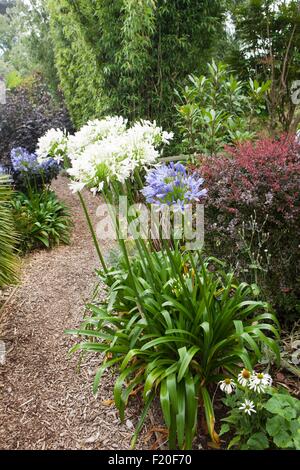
[
  {"x": 259, "y": 381},
  {"x": 244, "y": 377},
  {"x": 248, "y": 407},
  {"x": 227, "y": 385}
]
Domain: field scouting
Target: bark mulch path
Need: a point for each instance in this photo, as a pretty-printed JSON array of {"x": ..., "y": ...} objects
[{"x": 45, "y": 401}]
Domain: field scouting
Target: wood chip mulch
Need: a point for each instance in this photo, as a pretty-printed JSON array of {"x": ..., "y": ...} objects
[{"x": 46, "y": 401}]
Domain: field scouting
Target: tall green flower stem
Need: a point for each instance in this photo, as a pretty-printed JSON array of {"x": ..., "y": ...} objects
[
  {"x": 93, "y": 233},
  {"x": 109, "y": 201}
]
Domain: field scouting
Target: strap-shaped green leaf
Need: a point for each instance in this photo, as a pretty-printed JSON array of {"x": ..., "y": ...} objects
[
  {"x": 165, "y": 402},
  {"x": 185, "y": 361}
]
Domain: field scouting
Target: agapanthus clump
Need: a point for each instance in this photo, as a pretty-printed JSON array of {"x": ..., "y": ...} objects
[
  {"x": 53, "y": 144},
  {"x": 27, "y": 171},
  {"x": 171, "y": 185}
]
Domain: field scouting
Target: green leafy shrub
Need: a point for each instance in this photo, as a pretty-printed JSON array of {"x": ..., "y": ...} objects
[
  {"x": 41, "y": 219},
  {"x": 13, "y": 79},
  {"x": 174, "y": 324},
  {"x": 217, "y": 109},
  {"x": 274, "y": 421},
  {"x": 8, "y": 237}
]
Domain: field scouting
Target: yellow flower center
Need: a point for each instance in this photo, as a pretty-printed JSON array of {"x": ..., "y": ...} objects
[
  {"x": 227, "y": 381},
  {"x": 260, "y": 376}
]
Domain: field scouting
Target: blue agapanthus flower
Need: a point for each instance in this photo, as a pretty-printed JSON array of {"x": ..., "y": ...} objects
[
  {"x": 24, "y": 161},
  {"x": 27, "y": 171},
  {"x": 170, "y": 184}
]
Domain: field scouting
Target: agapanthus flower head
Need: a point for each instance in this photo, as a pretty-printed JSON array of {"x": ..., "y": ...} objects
[
  {"x": 171, "y": 185},
  {"x": 26, "y": 162},
  {"x": 50, "y": 164},
  {"x": 53, "y": 144},
  {"x": 27, "y": 170},
  {"x": 149, "y": 131},
  {"x": 259, "y": 381},
  {"x": 227, "y": 385},
  {"x": 94, "y": 131},
  {"x": 106, "y": 150},
  {"x": 23, "y": 161},
  {"x": 248, "y": 407}
]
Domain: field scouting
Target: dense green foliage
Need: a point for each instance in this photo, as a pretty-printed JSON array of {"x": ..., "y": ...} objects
[
  {"x": 42, "y": 220},
  {"x": 126, "y": 57},
  {"x": 26, "y": 42},
  {"x": 8, "y": 237},
  {"x": 275, "y": 424},
  {"x": 216, "y": 109}
]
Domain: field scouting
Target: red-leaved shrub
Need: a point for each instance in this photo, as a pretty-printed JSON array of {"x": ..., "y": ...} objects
[{"x": 253, "y": 214}]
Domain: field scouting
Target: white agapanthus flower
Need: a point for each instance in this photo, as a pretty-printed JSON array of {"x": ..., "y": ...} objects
[
  {"x": 93, "y": 132},
  {"x": 105, "y": 150},
  {"x": 227, "y": 385},
  {"x": 76, "y": 186},
  {"x": 244, "y": 377},
  {"x": 259, "y": 381},
  {"x": 52, "y": 144},
  {"x": 167, "y": 136},
  {"x": 147, "y": 130},
  {"x": 248, "y": 407}
]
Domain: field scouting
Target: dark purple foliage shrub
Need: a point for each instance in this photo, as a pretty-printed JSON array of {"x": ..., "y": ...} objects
[{"x": 30, "y": 110}]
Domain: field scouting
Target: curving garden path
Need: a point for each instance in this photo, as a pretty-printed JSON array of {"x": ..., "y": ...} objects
[{"x": 45, "y": 401}]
